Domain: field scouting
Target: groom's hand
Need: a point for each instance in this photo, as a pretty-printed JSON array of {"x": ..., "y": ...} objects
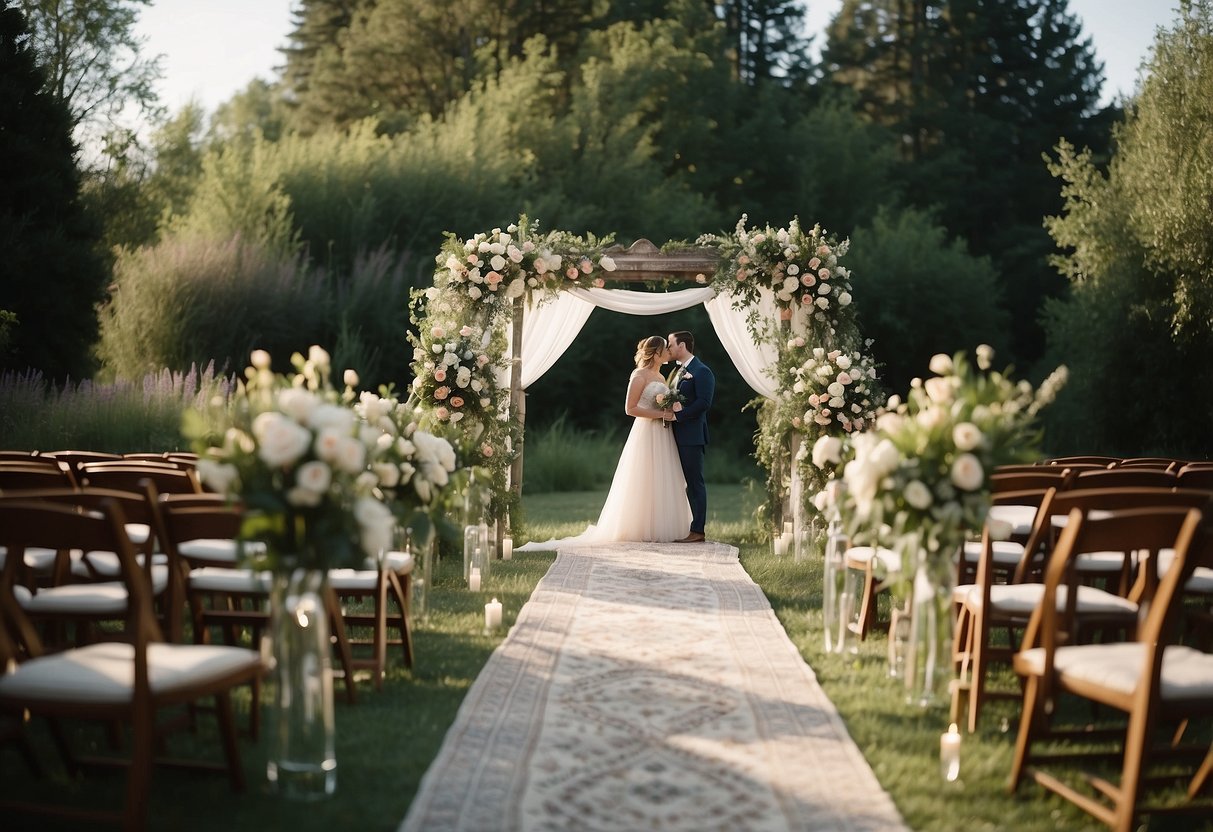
[
  {"x": 677, "y": 406},
  {"x": 668, "y": 415}
]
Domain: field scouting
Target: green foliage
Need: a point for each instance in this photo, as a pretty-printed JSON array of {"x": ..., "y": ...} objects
[
  {"x": 51, "y": 275},
  {"x": 122, "y": 417},
  {"x": 1135, "y": 244},
  {"x": 918, "y": 294},
  {"x": 559, "y": 457}
]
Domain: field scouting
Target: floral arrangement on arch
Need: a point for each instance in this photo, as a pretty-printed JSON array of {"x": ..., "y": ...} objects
[
  {"x": 460, "y": 343},
  {"x": 321, "y": 480},
  {"x": 800, "y": 268},
  {"x": 919, "y": 482}
]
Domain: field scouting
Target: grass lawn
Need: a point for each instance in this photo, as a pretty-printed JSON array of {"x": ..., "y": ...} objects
[{"x": 386, "y": 741}]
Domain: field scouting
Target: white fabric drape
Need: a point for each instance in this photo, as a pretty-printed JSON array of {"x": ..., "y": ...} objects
[
  {"x": 551, "y": 326},
  {"x": 751, "y": 359}
]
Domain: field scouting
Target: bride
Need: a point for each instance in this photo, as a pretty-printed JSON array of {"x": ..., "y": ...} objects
[{"x": 647, "y": 501}]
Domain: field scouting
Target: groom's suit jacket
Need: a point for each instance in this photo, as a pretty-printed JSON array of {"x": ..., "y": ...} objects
[{"x": 698, "y": 386}]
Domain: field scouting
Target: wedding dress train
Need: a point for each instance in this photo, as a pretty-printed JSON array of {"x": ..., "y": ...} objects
[{"x": 647, "y": 501}]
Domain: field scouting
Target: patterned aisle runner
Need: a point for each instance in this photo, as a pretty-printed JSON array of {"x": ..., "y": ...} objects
[{"x": 648, "y": 687}]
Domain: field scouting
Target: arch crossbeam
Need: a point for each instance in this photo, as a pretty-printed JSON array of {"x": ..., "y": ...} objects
[{"x": 642, "y": 261}]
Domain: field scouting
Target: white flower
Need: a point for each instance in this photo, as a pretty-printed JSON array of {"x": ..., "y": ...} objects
[
  {"x": 940, "y": 364},
  {"x": 515, "y": 288},
  {"x": 844, "y": 299},
  {"x": 297, "y": 403},
  {"x": 280, "y": 441},
  {"x": 836, "y": 390},
  {"x": 790, "y": 285},
  {"x": 822, "y": 303},
  {"x": 318, "y": 356},
  {"x": 607, "y": 264},
  {"x": 350, "y": 377},
  {"x": 827, "y": 449},
  {"x": 917, "y": 495},
  {"x": 222, "y": 477},
  {"x": 793, "y": 269},
  {"x": 303, "y": 497},
  {"x": 314, "y": 476},
  {"x": 376, "y": 523},
  {"x": 985, "y": 356},
  {"x": 331, "y": 417},
  {"x": 823, "y": 289},
  {"x": 821, "y": 501},
  {"x": 498, "y": 263},
  {"x": 474, "y": 293},
  {"x": 387, "y": 473},
  {"x": 844, "y": 362},
  {"x": 885, "y": 456},
  {"x": 260, "y": 359},
  {"x": 967, "y": 474},
  {"x": 798, "y": 387},
  {"x": 939, "y": 389},
  {"x": 966, "y": 435}
]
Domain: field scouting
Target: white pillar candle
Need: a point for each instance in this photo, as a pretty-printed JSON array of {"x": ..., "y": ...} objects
[
  {"x": 787, "y": 527},
  {"x": 949, "y": 753},
  {"x": 492, "y": 615},
  {"x": 781, "y": 545},
  {"x": 474, "y": 580},
  {"x": 507, "y": 548}
]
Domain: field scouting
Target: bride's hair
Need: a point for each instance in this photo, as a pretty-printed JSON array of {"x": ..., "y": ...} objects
[{"x": 647, "y": 348}]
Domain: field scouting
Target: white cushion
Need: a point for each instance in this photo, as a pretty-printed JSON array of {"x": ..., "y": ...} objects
[
  {"x": 105, "y": 564},
  {"x": 1202, "y": 576},
  {"x": 1019, "y": 518},
  {"x": 1006, "y": 552},
  {"x": 138, "y": 532},
  {"x": 1186, "y": 673},
  {"x": 863, "y": 555},
  {"x": 1020, "y": 599},
  {"x": 219, "y": 549},
  {"x": 105, "y": 673},
  {"x": 399, "y": 562},
  {"x": 344, "y": 580},
  {"x": 36, "y": 558},
  {"x": 102, "y": 598},
  {"x": 222, "y": 579},
  {"x": 1060, "y": 521},
  {"x": 1102, "y": 562}
]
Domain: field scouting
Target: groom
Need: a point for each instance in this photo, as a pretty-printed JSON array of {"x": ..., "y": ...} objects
[{"x": 697, "y": 385}]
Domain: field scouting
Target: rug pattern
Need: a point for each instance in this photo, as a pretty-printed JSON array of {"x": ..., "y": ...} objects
[{"x": 648, "y": 687}]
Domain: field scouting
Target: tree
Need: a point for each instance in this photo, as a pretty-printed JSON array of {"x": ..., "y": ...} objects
[
  {"x": 1136, "y": 245},
  {"x": 766, "y": 39},
  {"x": 974, "y": 92},
  {"x": 93, "y": 65},
  {"x": 51, "y": 274}
]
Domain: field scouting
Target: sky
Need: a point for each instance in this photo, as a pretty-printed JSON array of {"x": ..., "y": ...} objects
[{"x": 213, "y": 48}]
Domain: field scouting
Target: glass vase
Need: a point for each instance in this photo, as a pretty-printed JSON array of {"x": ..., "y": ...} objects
[
  {"x": 301, "y": 762},
  {"x": 834, "y": 620},
  {"x": 928, "y": 661}
]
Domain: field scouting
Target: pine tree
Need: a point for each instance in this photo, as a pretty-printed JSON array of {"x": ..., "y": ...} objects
[
  {"x": 975, "y": 92},
  {"x": 50, "y": 277}
]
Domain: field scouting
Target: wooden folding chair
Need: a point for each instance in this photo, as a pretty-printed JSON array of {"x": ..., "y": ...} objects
[
  {"x": 1151, "y": 679},
  {"x": 128, "y": 681},
  {"x": 1132, "y": 477},
  {"x": 128, "y": 476}
]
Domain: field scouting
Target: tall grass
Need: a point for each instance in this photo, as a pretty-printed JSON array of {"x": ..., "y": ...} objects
[{"x": 120, "y": 417}]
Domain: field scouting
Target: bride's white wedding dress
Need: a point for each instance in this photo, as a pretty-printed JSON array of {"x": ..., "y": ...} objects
[{"x": 647, "y": 501}]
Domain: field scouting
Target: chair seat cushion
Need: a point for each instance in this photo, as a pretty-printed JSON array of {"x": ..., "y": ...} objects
[
  {"x": 1019, "y": 518},
  {"x": 857, "y": 557},
  {"x": 1201, "y": 580},
  {"x": 1101, "y": 562},
  {"x": 36, "y": 558},
  {"x": 1006, "y": 552},
  {"x": 101, "y": 598},
  {"x": 219, "y": 550},
  {"x": 346, "y": 580},
  {"x": 105, "y": 673},
  {"x": 1186, "y": 673},
  {"x": 1019, "y": 600},
  {"x": 222, "y": 579},
  {"x": 399, "y": 562},
  {"x": 105, "y": 564},
  {"x": 138, "y": 532}
]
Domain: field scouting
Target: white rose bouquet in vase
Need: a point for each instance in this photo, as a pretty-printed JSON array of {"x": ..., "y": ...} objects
[{"x": 919, "y": 484}]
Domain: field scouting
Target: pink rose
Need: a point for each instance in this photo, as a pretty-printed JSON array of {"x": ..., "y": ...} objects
[
  {"x": 456, "y": 401},
  {"x": 441, "y": 393},
  {"x": 823, "y": 250},
  {"x": 814, "y": 263},
  {"x": 486, "y": 450},
  {"x": 743, "y": 259},
  {"x": 806, "y": 299},
  {"x": 808, "y": 280},
  {"x": 832, "y": 355},
  {"x": 599, "y": 282},
  {"x": 824, "y": 274},
  {"x": 481, "y": 360},
  {"x": 844, "y": 378},
  {"x": 465, "y": 331},
  {"x": 492, "y": 278},
  {"x": 473, "y": 259},
  {"x": 442, "y": 413},
  {"x": 438, "y": 332},
  {"x": 440, "y": 375},
  {"x": 571, "y": 272},
  {"x": 741, "y": 275},
  {"x": 814, "y": 399},
  {"x": 586, "y": 265},
  {"x": 796, "y": 421}
]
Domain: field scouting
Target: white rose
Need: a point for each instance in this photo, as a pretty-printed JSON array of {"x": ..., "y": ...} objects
[
  {"x": 844, "y": 299},
  {"x": 967, "y": 436},
  {"x": 940, "y": 364},
  {"x": 885, "y": 456},
  {"x": 791, "y": 285},
  {"x": 607, "y": 264},
  {"x": 474, "y": 293},
  {"x": 939, "y": 389},
  {"x": 836, "y": 389},
  {"x": 827, "y": 449},
  {"x": 331, "y": 416},
  {"x": 821, "y": 501},
  {"x": 498, "y": 263},
  {"x": 967, "y": 474},
  {"x": 822, "y": 303},
  {"x": 917, "y": 495},
  {"x": 280, "y": 441},
  {"x": 793, "y": 269},
  {"x": 314, "y": 476},
  {"x": 844, "y": 362},
  {"x": 388, "y": 474},
  {"x": 297, "y": 403},
  {"x": 516, "y": 288},
  {"x": 798, "y": 387}
]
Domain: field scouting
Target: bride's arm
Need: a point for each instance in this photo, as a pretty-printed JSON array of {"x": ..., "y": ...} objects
[{"x": 632, "y": 406}]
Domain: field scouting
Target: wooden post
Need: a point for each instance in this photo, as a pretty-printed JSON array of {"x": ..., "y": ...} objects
[{"x": 517, "y": 411}]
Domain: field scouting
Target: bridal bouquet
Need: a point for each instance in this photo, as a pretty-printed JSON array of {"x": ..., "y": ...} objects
[
  {"x": 669, "y": 397},
  {"x": 306, "y": 469},
  {"x": 919, "y": 482}
]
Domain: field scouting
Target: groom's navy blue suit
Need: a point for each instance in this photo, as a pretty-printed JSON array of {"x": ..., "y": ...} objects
[{"x": 698, "y": 386}]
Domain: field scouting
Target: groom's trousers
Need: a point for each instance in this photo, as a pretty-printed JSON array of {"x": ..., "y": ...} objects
[{"x": 691, "y": 457}]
